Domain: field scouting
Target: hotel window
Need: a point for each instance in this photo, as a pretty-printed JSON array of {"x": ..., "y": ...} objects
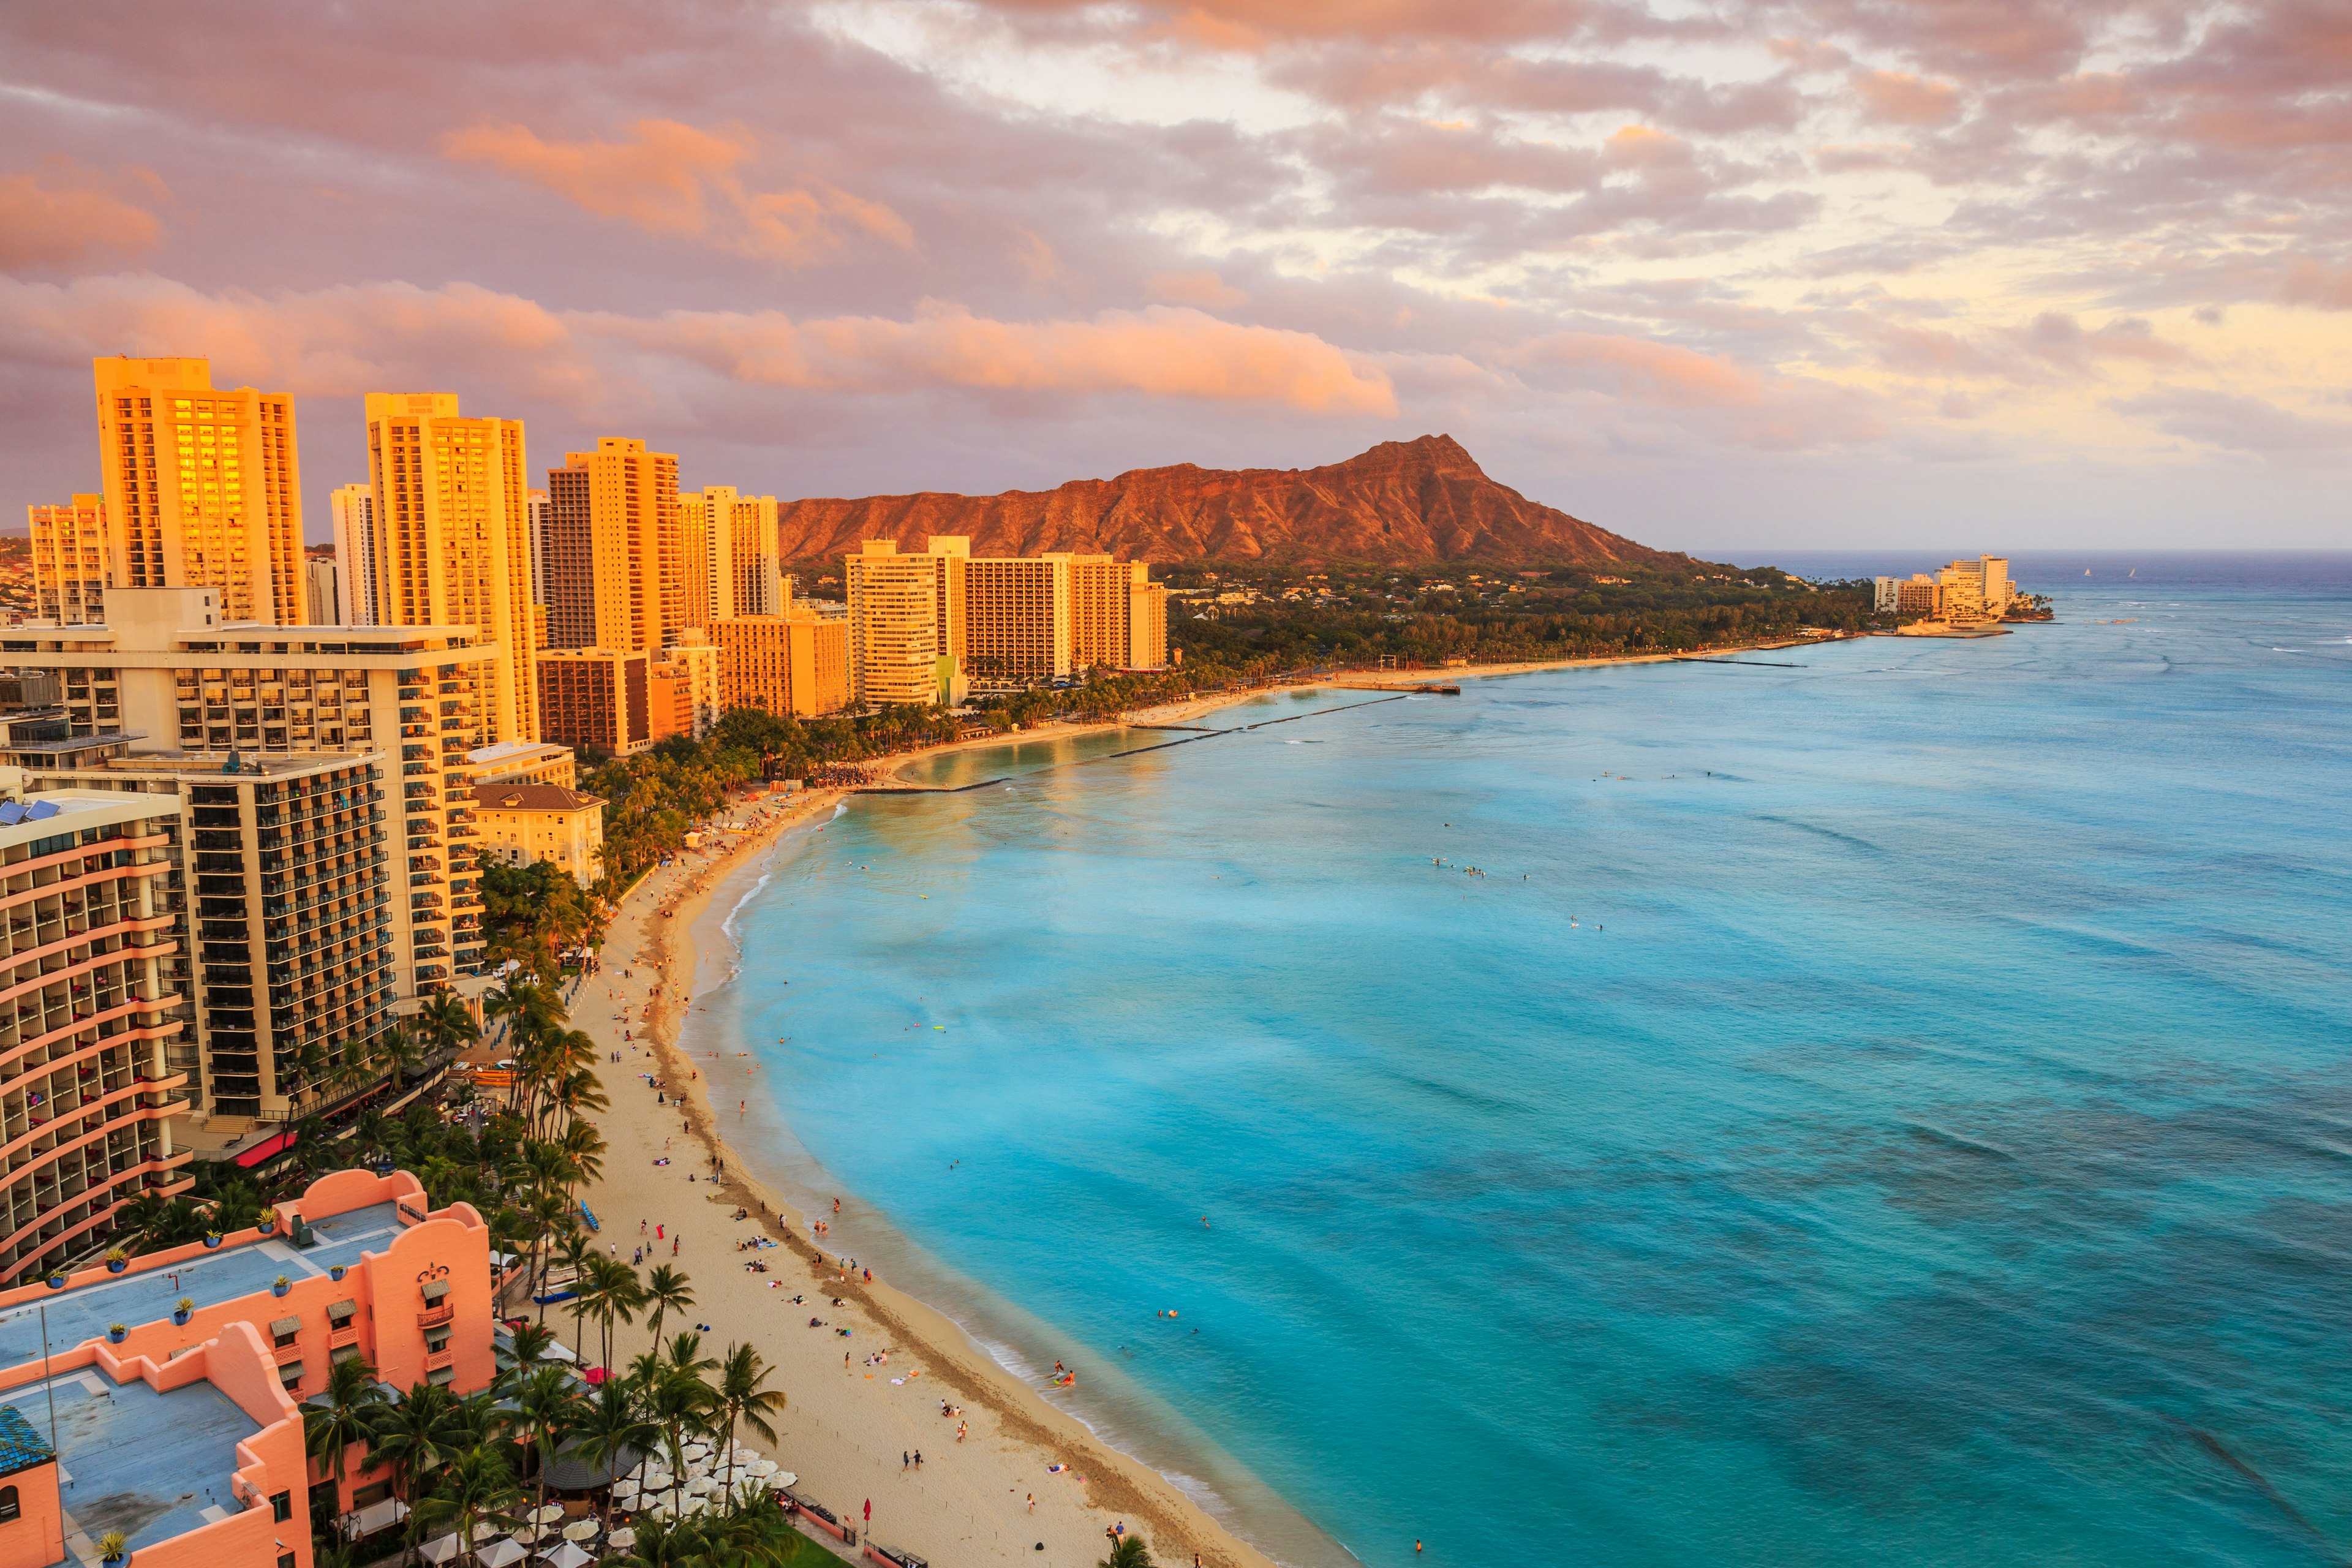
[{"x": 9, "y": 1506}]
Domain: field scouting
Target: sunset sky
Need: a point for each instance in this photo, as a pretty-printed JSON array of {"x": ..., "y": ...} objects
[{"x": 1723, "y": 277}]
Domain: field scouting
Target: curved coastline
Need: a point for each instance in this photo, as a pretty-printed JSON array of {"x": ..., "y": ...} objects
[{"x": 701, "y": 898}]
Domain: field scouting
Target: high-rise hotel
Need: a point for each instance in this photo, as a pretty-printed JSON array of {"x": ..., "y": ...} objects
[{"x": 923, "y": 627}]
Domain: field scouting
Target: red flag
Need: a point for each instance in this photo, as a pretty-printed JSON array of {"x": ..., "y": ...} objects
[{"x": 869, "y": 1511}]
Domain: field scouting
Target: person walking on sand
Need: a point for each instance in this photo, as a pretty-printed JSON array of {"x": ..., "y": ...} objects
[{"x": 1033, "y": 1508}]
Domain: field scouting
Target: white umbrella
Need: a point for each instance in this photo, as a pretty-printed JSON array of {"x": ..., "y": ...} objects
[
  {"x": 622, "y": 1538},
  {"x": 694, "y": 1505},
  {"x": 441, "y": 1549},
  {"x": 580, "y": 1530},
  {"x": 623, "y": 1490},
  {"x": 761, "y": 1468},
  {"x": 566, "y": 1556},
  {"x": 698, "y": 1451},
  {"x": 701, "y": 1486},
  {"x": 500, "y": 1554},
  {"x": 547, "y": 1513},
  {"x": 786, "y": 1479},
  {"x": 527, "y": 1535}
]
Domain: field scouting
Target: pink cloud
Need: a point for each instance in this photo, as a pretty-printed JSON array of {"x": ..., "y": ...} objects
[
  {"x": 671, "y": 178},
  {"x": 1204, "y": 291},
  {"x": 1751, "y": 407},
  {"x": 1903, "y": 98},
  {"x": 2310, "y": 283},
  {"x": 64, "y": 212},
  {"x": 340, "y": 342},
  {"x": 1159, "y": 352}
]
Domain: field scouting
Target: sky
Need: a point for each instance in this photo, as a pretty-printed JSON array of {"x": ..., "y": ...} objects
[{"x": 1996, "y": 275}]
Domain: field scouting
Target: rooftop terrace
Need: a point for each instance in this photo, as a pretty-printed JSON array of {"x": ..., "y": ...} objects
[
  {"x": 151, "y": 1465},
  {"x": 84, "y": 1311}
]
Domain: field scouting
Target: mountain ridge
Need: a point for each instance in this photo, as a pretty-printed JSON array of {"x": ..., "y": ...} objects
[{"x": 1398, "y": 503}]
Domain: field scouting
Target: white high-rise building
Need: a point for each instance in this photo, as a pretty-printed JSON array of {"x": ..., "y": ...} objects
[{"x": 354, "y": 510}]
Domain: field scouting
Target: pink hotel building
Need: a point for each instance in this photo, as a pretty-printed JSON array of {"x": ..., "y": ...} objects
[{"x": 186, "y": 1433}]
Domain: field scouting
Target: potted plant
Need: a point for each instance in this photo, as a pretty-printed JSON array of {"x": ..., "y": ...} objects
[
  {"x": 113, "y": 1546},
  {"x": 117, "y": 1260},
  {"x": 267, "y": 1221},
  {"x": 114, "y": 1332},
  {"x": 335, "y": 1271},
  {"x": 58, "y": 1281},
  {"x": 279, "y": 1286},
  {"x": 212, "y": 1239},
  {"x": 182, "y": 1309}
]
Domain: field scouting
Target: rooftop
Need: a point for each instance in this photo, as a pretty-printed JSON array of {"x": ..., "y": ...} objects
[
  {"x": 151, "y": 1465},
  {"x": 505, "y": 751},
  {"x": 532, "y": 797},
  {"x": 85, "y": 1311}
]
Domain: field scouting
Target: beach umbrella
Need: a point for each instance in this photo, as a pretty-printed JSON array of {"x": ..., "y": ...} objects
[
  {"x": 580, "y": 1530},
  {"x": 547, "y": 1513},
  {"x": 786, "y": 1479},
  {"x": 700, "y": 1486},
  {"x": 622, "y": 1538},
  {"x": 623, "y": 1490},
  {"x": 694, "y": 1505},
  {"x": 527, "y": 1535},
  {"x": 761, "y": 1468},
  {"x": 500, "y": 1554},
  {"x": 696, "y": 1451},
  {"x": 566, "y": 1556},
  {"x": 440, "y": 1549}
]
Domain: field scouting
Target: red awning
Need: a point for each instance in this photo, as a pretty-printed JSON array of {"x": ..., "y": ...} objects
[{"x": 276, "y": 1143}]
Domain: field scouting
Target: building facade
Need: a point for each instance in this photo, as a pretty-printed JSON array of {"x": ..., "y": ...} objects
[
  {"x": 204, "y": 488},
  {"x": 87, "y": 1007},
  {"x": 453, "y": 537},
  {"x": 167, "y": 671},
  {"x": 523, "y": 823},
  {"x": 69, "y": 550},
  {"x": 906, "y": 621},
  {"x": 616, "y": 572},
  {"x": 795, "y": 664},
  {"x": 596, "y": 697},
  {"x": 323, "y": 596},
  {"x": 523, "y": 762},
  {"x": 354, "y": 511}
]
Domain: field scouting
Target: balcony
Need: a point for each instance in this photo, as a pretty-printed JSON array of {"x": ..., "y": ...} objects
[{"x": 434, "y": 1317}]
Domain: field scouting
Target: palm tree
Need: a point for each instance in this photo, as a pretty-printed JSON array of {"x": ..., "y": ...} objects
[
  {"x": 415, "y": 1435},
  {"x": 583, "y": 1145},
  {"x": 610, "y": 1291},
  {"x": 551, "y": 1217},
  {"x": 530, "y": 1345},
  {"x": 611, "y": 1427},
  {"x": 476, "y": 1497},
  {"x": 342, "y": 1413},
  {"x": 667, "y": 1544},
  {"x": 447, "y": 1024},
  {"x": 1127, "y": 1552},
  {"x": 543, "y": 1411},
  {"x": 678, "y": 1402},
  {"x": 743, "y": 1396},
  {"x": 667, "y": 1293},
  {"x": 572, "y": 1251}
]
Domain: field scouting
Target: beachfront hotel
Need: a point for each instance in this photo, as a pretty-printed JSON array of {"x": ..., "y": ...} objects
[
  {"x": 92, "y": 968},
  {"x": 203, "y": 486},
  {"x": 525, "y": 823},
  {"x": 279, "y": 889},
  {"x": 796, "y": 663},
  {"x": 923, "y": 626},
  {"x": 182, "y": 1428},
  {"x": 1964, "y": 593},
  {"x": 170, "y": 674},
  {"x": 452, "y": 538},
  {"x": 69, "y": 550}
]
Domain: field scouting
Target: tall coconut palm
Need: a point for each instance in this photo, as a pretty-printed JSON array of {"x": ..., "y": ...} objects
[
  {"x": 610, "y": 1428},
  {"x": 342, "y": 1413},
  {"x": 1127, "y": 1552},
  {"x": 447, "y": 1024},
  {"x": 742, "y": 1396},
  {"x": 611, "y": 1293},
  {"x": 474, "y": 1496},
  {"x": 667, "y": 1291},
  {"x": 540, "y": 1414},
  {"x": 415, "y": 1435}
]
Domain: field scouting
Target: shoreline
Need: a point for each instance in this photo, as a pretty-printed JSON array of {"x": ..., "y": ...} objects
[
  {"x": 1401, "y": 681},
  {"x": 1015, "y": 1434}
]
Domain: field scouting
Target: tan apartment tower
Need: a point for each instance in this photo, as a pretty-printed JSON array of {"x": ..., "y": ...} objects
[
  {"x": 615, "y": 571},
  {"x": 204, "y": 488},
  {"x": 1118, "y": 616},
  {"x": 906, "y": 621},
  {"x": 729, "y": 543},
  {"x": 1017, "y": 619},
  {"x": 354, "y": 510},
  {"x": 796, "y": 663},
  {"x": 453, "y": 537},
  {"x": 69, "y": 561}
]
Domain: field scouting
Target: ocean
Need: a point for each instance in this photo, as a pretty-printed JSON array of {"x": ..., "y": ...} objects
[{"x": 1872, "y": 1104}]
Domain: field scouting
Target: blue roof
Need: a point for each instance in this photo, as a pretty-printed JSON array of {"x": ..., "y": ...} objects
[
  {"x": 85, "y": 1311},
  {"x": 151, "y": 1465},
  {"x": 21, "y": 1446}
]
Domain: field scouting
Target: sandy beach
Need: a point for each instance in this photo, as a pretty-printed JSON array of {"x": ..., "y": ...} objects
[
  {"x": 854, "y": 1421},
  {"x": 849, "y": 1419}
]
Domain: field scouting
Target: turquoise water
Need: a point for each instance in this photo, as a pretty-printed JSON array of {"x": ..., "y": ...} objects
[{"x": 1892, "y": 1109}]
